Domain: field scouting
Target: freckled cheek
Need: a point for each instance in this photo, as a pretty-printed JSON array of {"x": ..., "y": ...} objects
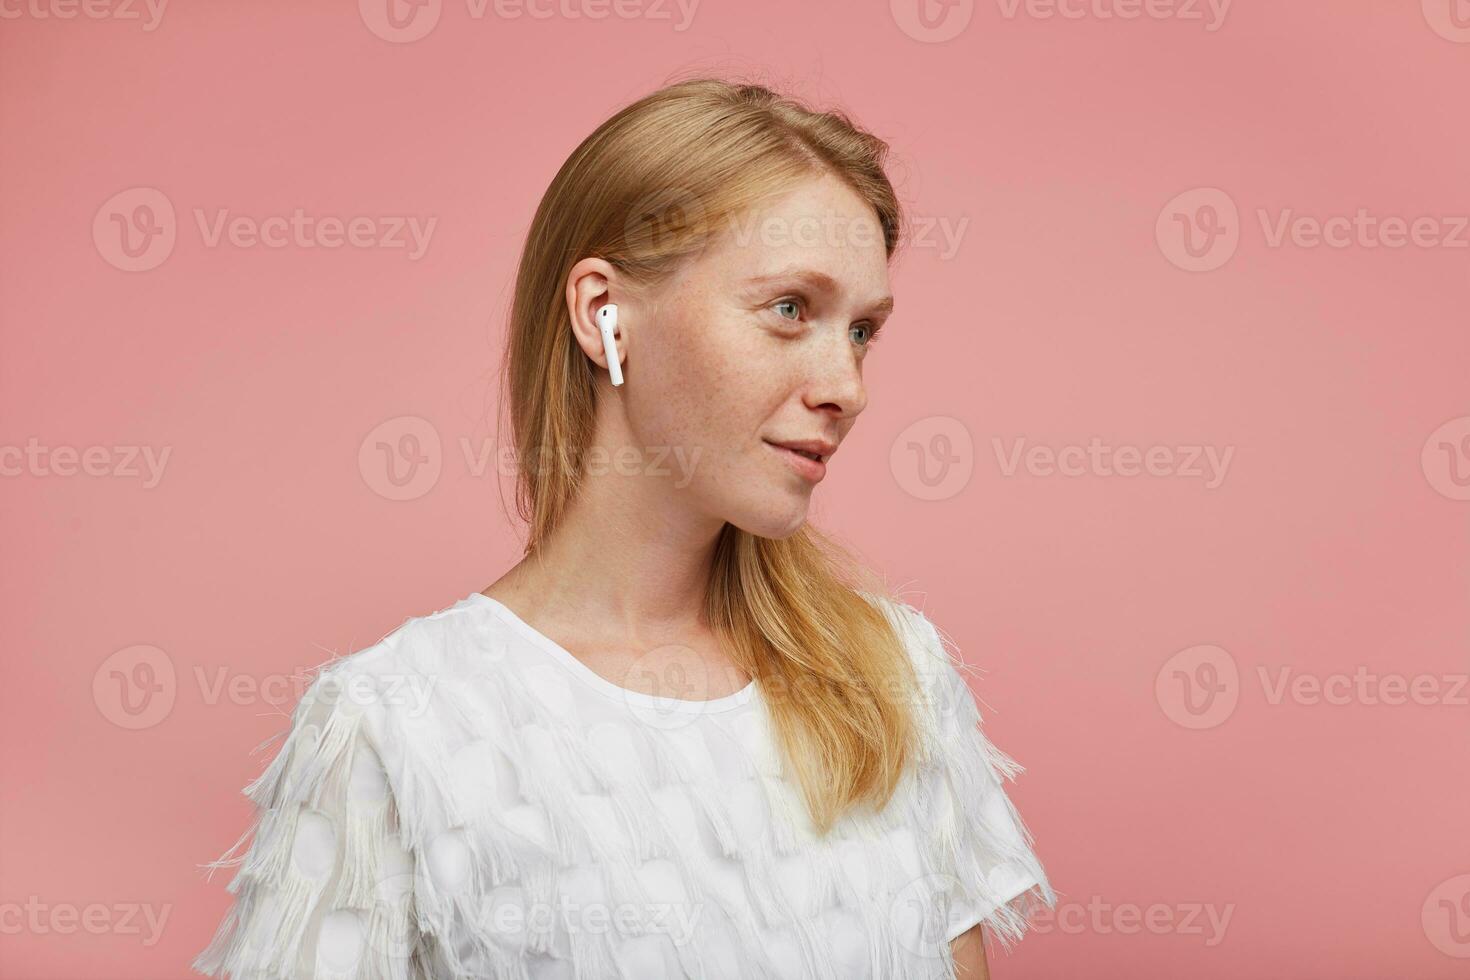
[{"x": 714, "y": 392}]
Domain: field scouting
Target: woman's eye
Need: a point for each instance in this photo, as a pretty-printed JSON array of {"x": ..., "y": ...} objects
[
  {"x": 870, "y": 336},
  {"x": 795, "y": 304}
]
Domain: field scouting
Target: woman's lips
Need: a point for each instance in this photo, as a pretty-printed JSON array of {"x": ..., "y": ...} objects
[{"x": 811, "y": 469}]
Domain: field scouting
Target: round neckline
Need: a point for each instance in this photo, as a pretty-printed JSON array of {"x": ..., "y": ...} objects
[{"x": 602, "y": 684}]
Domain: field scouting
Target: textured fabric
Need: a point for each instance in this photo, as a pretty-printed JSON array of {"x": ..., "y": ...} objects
[{"x": 465, "y": 799}]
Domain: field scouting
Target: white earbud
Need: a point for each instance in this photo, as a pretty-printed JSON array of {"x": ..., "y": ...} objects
[{"x": 607, "y": 322}]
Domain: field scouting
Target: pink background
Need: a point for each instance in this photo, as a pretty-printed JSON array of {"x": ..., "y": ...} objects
[{"x": 1332, "y": 835}]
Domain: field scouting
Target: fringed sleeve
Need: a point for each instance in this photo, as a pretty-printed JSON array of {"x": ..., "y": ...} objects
[
  {"x": 981, "y": 842},
  {"x": 325, "y": 889}
]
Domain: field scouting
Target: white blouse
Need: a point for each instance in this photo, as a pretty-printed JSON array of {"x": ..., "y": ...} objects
[{"x": 467, "y": 799}]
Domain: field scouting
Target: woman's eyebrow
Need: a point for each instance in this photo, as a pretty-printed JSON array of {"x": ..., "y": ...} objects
[{"x": 818, "y": 281}]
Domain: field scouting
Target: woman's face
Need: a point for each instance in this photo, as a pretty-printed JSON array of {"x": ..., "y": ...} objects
[{"x": 760, "y": 340}]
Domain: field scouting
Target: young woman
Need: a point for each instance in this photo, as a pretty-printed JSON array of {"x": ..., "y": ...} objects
[{"x": 686, "y": 736}]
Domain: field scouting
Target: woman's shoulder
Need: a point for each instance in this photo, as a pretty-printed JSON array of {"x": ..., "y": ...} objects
[
  {"x": 945, "y": 691},
  {"x": 399, "y": 674},
  {"x": 447, "y": 638},
  {"x": 927, "y": 646}
]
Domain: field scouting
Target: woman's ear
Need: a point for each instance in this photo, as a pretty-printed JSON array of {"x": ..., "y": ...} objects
[{"x": 591, "y": 285}]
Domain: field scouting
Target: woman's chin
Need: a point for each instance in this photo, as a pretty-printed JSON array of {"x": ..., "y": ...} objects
[{"x": 773, "y": 521}]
